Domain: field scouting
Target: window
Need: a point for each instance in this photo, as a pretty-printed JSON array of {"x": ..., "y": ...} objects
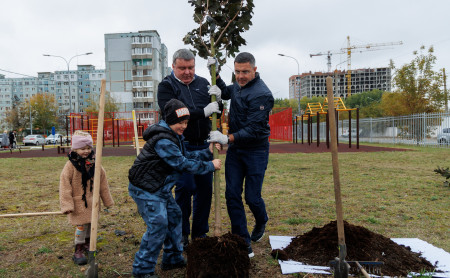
[
  {"x": 136, "y": 51},
  {"x": 136, "y": 39}
]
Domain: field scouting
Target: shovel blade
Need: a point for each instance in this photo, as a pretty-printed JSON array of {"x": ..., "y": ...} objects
[
  {"x": 341, "y": 269},
  {"x": 92, "y": 271}
]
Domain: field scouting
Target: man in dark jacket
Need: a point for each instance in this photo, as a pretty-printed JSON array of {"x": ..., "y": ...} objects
[
  {"x": 248, "y": 149},
  {"x": 192, "y": 90}
]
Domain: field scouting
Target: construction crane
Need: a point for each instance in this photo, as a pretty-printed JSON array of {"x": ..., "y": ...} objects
[
  {"x": 368, "y": 47},
  {"x": 328, "y": 53}
]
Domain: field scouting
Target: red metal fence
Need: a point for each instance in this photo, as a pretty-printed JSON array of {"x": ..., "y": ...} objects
[
  {"x": 281, "y": 124},
  {"x": 118, "y": 127}
]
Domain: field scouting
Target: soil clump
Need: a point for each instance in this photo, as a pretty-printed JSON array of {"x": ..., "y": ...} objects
[
  {"x": 320, "y": 246},
  {"x": 218, "y": 257}
]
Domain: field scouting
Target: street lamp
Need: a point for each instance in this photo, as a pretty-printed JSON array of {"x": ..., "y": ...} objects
[
  {"x": 298, "y": 74},
  {"x": 68, "y": 72}
]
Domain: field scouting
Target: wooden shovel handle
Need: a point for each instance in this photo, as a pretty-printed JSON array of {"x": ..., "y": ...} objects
[
  {"x": 98, "y": 168},
  {"x": 335, "y": 161},
  {"x": 28, "y": 214}
]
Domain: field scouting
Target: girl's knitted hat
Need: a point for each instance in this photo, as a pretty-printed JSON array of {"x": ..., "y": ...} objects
[{"x": 81, "y": 141}]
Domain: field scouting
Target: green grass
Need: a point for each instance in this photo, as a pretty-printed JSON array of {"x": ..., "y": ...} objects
[{"x": 395, "y": 194}]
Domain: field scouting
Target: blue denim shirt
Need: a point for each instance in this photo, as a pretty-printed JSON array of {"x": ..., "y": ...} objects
[{"x": 194, "y": 162}]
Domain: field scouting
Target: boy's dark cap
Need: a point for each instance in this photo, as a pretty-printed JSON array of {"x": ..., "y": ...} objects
[{"x": 175, "y": 112}]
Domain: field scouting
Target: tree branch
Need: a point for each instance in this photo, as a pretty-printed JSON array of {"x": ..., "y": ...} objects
[
  {"x": 200, "y": 32},
  {"x": 229, "y": 22}
]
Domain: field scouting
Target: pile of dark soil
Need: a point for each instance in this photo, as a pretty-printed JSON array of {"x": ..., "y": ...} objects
[
  {"x": 218, "y": 257},
  {"x": 320, "y": 245}
]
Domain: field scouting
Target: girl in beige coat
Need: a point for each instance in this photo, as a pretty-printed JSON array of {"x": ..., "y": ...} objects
[{"x": 76, "y": 191}]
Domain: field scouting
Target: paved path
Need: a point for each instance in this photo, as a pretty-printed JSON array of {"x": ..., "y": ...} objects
[{"x": 50, "y": 151}]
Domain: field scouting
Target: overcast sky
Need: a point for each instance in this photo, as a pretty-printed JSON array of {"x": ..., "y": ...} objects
[{"x": 30, "y": 28}]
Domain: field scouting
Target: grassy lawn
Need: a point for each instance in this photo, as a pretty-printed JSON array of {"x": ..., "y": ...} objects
[{"x": 395, "y": 194}]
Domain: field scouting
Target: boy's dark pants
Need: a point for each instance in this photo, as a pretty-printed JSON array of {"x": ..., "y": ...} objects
[{"x": 163, "y": 218}]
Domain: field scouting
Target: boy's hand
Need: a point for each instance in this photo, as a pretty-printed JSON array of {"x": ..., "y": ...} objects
[
  {"x": 217, "y": 164},
  {"x": 68, "y": 212},
  {"x": 217, "y": 145}
]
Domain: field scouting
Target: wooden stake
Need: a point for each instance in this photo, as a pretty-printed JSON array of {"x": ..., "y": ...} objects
[{"x": 28, "y": 214}]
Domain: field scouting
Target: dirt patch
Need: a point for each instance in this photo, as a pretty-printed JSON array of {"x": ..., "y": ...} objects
[
  {"x": 319, "y": 247},
  {"x": 218, "y": 257}
]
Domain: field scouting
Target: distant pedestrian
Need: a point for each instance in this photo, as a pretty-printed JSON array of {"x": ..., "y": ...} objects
[
  {"x": 76, "y": 191},
  {"x": 12, "y": 139}
]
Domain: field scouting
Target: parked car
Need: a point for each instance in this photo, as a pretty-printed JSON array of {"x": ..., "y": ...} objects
[
  {"x": 35, "y": 139},
  {"x": 346, "y": 133},
  {"x": 444, "y": 137},
  {"x": 1, "y": 139},
  {"x": 55, "y": 139}
]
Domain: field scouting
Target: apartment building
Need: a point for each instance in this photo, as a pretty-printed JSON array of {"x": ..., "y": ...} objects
[
  {"x": 362, "y": 80},
  {"x": 81, "y": 83},
  {"x": 136, "y": 63}
]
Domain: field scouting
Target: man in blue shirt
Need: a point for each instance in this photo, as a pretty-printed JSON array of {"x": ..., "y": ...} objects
[{"x": 248, "y": 147}]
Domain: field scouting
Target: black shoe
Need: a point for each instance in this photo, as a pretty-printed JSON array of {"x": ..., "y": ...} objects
[
  {"x": 174, "y": 266},
  {"x": 250, "y": 252},
  {"x": 258, "y": 232},
  {"x": 185, "y": 241},
  {"x": 78, "y": 257}
]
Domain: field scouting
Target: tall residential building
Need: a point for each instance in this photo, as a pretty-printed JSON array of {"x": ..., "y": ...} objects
[
  {"x": 135, "y": 64},
  {"x": 362, "y": 80},
  {"x": 294, "y": 86},
  {"x": 82, "y": 84}
]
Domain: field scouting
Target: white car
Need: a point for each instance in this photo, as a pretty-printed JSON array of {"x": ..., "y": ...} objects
[
  {"x": 353, "y": 133},
  {"x": 443, "y": 138},
  {"x": 35, "y": 139},
  {"x": 55, "y": 139}
]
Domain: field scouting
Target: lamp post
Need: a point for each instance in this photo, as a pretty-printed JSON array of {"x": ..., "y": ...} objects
[
  {"x": 298, "y": 74},
  {"x": 31, "y": 122},
  {"x": 68, "y": 72}
]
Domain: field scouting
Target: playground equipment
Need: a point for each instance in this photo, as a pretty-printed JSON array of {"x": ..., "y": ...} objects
[{"x": 316, "y": 109}]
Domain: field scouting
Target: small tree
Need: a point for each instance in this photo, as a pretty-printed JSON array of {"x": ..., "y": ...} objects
[
  {"x": 419, "y": 85},
  {"x": 220, "y": 26},
  {"x": 45, "y": 111}
]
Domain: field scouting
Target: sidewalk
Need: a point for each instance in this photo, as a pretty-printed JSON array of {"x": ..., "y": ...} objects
[{"x": 51, "y": 151}]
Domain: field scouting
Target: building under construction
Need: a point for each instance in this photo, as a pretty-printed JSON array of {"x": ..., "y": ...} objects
[{"x": 362, "y": 80}]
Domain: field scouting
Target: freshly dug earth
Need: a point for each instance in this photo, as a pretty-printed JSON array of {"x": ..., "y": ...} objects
[
  {"x": 319, "y": 247},
  {"x": 218, "y": 257}
]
